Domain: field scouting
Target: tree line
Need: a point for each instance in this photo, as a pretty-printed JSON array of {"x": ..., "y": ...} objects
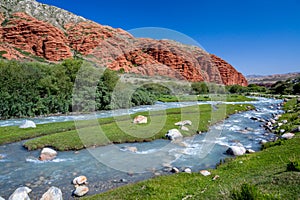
[{"x": 36, "y": 89}]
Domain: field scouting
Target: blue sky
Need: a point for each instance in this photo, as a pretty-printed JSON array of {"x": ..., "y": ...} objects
[{"x": 255, "y": 36}]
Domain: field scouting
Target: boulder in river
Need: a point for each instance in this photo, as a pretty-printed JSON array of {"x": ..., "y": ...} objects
[
  {"x": 263, "y": 141},
  {"x": 140, "y": 119},
  {"x": 173, "y": 134},
  {"x": 53, "y": 193},
  {"x": 287, "y": 136},
  {"x": 236, "y": 150},
  {"x": 80, "y": 180},
  {"x": 47, "y": 154},
  {"x": 254, "y": 118},
  {"x": 130, "y": 149},
  {"x": 183, "y": 123},
  {"x": 20, "y": 194},
  {"x": 81, "y": 191},
  {"x": 28, "y": 124}
]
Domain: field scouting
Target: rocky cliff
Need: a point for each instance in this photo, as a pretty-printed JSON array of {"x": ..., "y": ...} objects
[{"x": 30, "y": 30}]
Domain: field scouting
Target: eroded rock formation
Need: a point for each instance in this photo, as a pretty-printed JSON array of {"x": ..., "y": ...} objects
[{"x": 23, "y": 36}]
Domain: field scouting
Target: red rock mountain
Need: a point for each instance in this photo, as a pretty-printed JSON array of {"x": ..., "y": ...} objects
[{"x": 23, "y": 35}]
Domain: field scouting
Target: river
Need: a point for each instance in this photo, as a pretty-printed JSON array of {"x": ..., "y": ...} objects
[{"x": 110, "y": 166}]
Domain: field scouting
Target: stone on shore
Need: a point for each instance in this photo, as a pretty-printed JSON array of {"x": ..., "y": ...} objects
[
  {"x": 47, "y": 154},
  {"x": 205, "y": 173},
  {"x": 250, "y": 151},
  {"x": 236, "y": 150},
  {"x": 81, "y": 191},
  {"x": 183, "y": 123},
  {"x": 184, "y": 128},
  {"x": 80, "y": 180},
  {"x": 28, "y": 124},
  {"x": 175, "y": 170},
  {"x": 53, "y": 193},
  {"x": 20, "y": 194},
  {"x": 140, "y": 120},
  {"x": 187, "y": 170},
  {"x": 287, "y": 136},
  {"x": 173, "y": 134},
  {"x": 295, "y": 130}
]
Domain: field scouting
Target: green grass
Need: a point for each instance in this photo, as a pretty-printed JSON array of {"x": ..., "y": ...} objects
[
  {"x": 268, "y": 174},
  {"x": 206, "y": 97},
  {"x": 121, "y": 129}
]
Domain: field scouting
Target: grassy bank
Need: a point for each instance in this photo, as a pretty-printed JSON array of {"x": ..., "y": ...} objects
[
  {"x": 121, "y": 129},
  {"x": 270, "y": 174},
  {"x": 206, "y": 97}
]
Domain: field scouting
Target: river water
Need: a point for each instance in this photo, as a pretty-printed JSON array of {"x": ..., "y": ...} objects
[{"x": 112, "y": 166}]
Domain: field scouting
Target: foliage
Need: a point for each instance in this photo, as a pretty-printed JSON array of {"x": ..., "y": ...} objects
[
  {"x": 33, "y": 89},
  {"x": 199, "y": 88},
  {"x": 290, "y": 86},
  {"x": 293, "y": 166},
  {"x": 249, "y": 192}
]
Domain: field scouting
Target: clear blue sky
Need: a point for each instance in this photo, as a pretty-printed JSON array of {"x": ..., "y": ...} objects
[{"x": 255, "y": 36}]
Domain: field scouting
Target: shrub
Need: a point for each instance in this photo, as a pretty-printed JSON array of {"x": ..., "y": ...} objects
[
  {"x": 250, "y": 192},
  {"x": 293, "y": 166}
]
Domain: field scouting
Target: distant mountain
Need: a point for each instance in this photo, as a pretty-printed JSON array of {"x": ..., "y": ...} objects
[
  {"x": 270, "y": 79},
  {"x": 33, "y": 31}
]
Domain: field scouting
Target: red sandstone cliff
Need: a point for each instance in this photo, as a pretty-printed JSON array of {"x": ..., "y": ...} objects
[{"x": 25, "y": 37}]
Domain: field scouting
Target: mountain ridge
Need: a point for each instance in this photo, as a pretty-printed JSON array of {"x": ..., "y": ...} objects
[{"x": 31, "y": 30}]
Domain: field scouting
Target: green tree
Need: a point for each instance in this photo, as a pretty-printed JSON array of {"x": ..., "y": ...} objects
[{"x": 199, "y": 88}]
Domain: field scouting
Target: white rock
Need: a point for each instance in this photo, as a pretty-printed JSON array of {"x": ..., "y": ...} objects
[
  {"x": 288, "y": 136},
  {"x": 205, "y": 173},
  {"x": 28, "y": 124},
  {"x": 285, "y": 121},
  {"x": 175, "y": 170},
  {"x": 1, "y": 198},
  {"x": 20, "y": 194},
  {"x": 272, "y": 121},
  {"x": 280, "y": 124},
  {"x": 187, "y": 170},
  {"x": 184, "y": 128},
  {"x": 282, "y": 131},
  {"x": 250, "y": 151},
  {"x": 183, "y": 123},
  {"x": 173, "y": 134},
  {"x": 140, "y": 120},
  {"x": 53, "y": 193},
  {"x": 47, "y": 154},
  {"x": 81, "y": 190},
  {"x": 131, "y": 149},
  {"x": 79, "y": 180},
  {"x": 263, "y": 141},
  {"x": 236, "y": 150}
]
